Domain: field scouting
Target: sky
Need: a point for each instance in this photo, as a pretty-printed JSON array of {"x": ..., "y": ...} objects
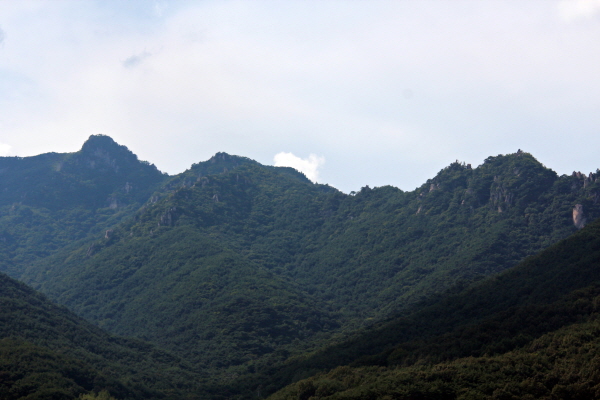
[{"x": 352, "y": 93}]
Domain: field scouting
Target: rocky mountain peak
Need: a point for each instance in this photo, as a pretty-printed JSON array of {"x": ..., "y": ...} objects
[
  {"x": 102, "y": 152},
  {"x": 99, "y": 141}
]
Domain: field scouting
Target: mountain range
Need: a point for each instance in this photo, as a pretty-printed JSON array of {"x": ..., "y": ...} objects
[{"x": 234, "y": 279}]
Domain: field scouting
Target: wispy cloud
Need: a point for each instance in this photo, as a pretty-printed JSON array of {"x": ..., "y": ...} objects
[
  {"x": 308, "y": 166},
  {"x": 2, "y": 36},
  {"x": 136, "y": 59}
]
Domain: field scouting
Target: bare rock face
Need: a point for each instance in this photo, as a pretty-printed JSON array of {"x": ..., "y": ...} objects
[
  {"x": 168, "y": 218},
  {"x": 578, "y": 216},
  {"x": 114, "y": 204}
]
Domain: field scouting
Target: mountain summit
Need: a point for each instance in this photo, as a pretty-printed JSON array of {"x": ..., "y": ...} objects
[
  {"x": 102, "y": 153},
  {"x": 100, "y": 174},
  {"x": 237, "y": 267}
]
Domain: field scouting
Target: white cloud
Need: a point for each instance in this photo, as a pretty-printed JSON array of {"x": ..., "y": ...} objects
[
  {"x": 571, "y": 10},
  {"x": 309, "y": 166},
  {"x": 4, "y": 149}
]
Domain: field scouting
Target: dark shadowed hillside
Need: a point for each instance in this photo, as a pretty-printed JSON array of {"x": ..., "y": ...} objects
[
  {"x": 47, "y": 352},
  {"x": 531, "y": 331}
]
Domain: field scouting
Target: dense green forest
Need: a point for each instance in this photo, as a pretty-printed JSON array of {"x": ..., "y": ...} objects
[
  {"x": 49, "y": 201},
  {"x": 47, "y": 352},
  {"x": 531, "y": 332},
  {"x": 242, "y": 278}
]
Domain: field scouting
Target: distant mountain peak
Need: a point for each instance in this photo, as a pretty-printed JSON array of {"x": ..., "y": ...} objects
[
  {"x": 99, "y": 140},
  {"x": 103, "y": 144},
  {"x": 102, "y": 152},
  {"x": 220, "y": 162},
  {"x": 226, "y": 157},
  {"x": 220, "y": 156}
]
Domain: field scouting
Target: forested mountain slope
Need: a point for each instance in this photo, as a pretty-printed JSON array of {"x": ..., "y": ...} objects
[
  {"x": 384, "y": 249},
  {"x": 236, "y": 266},
  {"x": 101, "y": 174},
  {"x": 180, "y": 272},
  {"x": 531, "y": 332},
  {"x": 51, "y": 200},
  {"x": 47, "y": 352}
]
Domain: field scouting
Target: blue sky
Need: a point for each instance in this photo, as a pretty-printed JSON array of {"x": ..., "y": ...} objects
[{"x": 354, "y": 93}]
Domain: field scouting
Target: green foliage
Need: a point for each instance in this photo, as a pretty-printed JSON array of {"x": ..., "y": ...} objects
[
  {"x": 46, "y": 348},
  {"x": 103, "y": 395},
  {"x": 100, "y": 174},
  {"x": 238, "y": 268},
  {"x": 531, "y": 332},
  {"x": 187, "y": 289},
  {"x": 49, "y": 201},
  {"x": 562, "y": 364},
  {"x": 34, "y": 372}
]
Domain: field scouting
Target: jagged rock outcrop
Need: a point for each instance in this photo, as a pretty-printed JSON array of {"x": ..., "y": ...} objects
[
  {"x": 578, "y": 216},
  {"x": 168, "y": 218}
]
